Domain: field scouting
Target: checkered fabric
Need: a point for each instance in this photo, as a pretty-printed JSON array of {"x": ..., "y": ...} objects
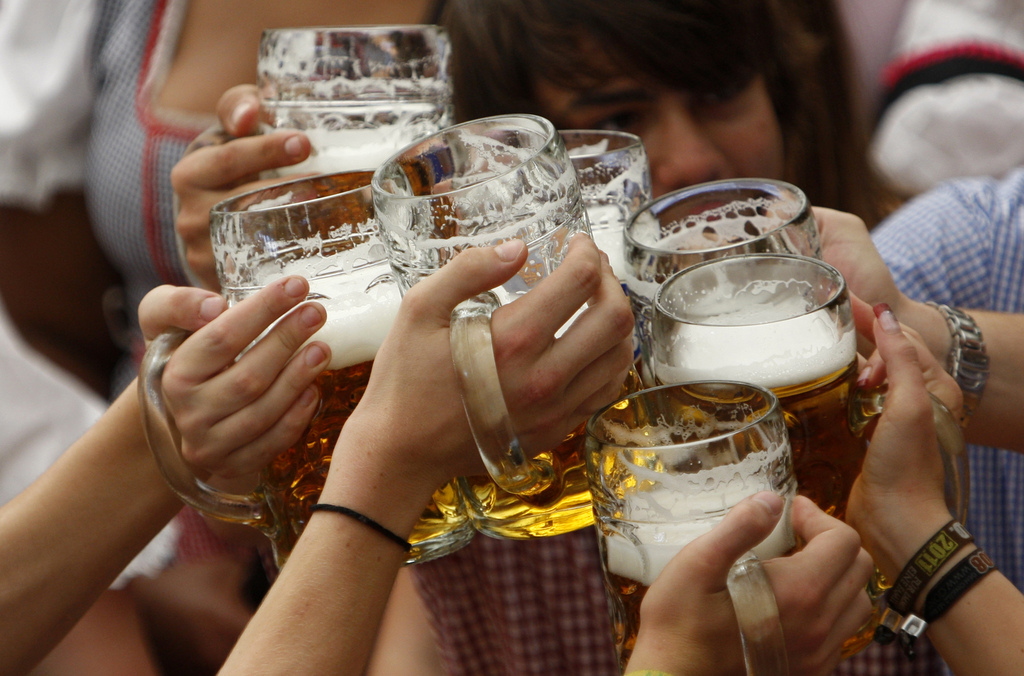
[
  {"x": 504, "y": 608},
  {"x": 962, "y": 244},
  {"x": 523, "y": 608}
]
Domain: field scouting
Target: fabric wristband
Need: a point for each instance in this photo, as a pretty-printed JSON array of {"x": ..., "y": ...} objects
[
  {"x": 924, "y": 564},
  {"x": 954, "y": 583},
  {"x": 363, "y": 519}
]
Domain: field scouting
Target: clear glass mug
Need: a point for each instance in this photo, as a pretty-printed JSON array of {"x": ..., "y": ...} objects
[
  {"x": 324, "y": 229},
  {"x": 478, "y": 184},
  {"x": 665, "y": 465},
  {"x": 360, "y": 93},
  {"x": 708, "y": 221},
  {"x": 615, "y": 179},
  {"x": 785, "y": 322}
]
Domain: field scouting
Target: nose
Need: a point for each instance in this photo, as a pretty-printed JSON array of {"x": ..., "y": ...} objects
[{"x": 680, "y": 150}]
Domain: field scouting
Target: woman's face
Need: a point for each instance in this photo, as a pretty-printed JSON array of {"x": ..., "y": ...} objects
[{"x": 689, "y": 139}]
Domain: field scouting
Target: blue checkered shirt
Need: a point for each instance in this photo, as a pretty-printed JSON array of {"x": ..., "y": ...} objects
[{"x": 962, "y": 244}]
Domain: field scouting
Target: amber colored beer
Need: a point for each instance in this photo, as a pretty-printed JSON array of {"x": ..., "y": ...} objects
[
  {"x": 292, "y": 483},
  {"x": 827, "y": 454},
  {"x": 562, "y": 507}
]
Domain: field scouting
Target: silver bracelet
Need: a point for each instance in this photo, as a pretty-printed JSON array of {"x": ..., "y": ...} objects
[{"x": 967, "y": 360}]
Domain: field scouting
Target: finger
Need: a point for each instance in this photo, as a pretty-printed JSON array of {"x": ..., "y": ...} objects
[
  {"x": 472, "y": 272},
  {"x": 864, "y": 321},
  {"x": 824, "y": 535},
  {"x": 216, "y": 346},
  {"x": 709, "y": 558},
  {"x": 223, "y": 166},
  {"x": 246, "y": 440},
  {"x": 238, "y": 110},
  {"x": 606, "y": 325},
  {"x": 182, "y": 307},
  {"x": 577, "y": 278}
]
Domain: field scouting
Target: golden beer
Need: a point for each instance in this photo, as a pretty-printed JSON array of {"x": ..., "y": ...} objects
[
  {"x": 665, "y": 466},
  {"x": 562, "y": 507}
]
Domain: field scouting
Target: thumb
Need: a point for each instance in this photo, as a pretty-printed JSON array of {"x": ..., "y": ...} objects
[
  {"x": 743, "y": 528},
  {"x": 472, "y": 272}
]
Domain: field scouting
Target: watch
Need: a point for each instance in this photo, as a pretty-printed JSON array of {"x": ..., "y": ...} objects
[{"x": 967, "y": 360}]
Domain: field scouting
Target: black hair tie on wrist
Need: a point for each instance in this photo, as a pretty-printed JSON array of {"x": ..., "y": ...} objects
[{"x": 363, "y": 519}]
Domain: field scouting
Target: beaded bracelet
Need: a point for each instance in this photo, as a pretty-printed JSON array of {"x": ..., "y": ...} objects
[
  {"x": 363, "y": 519},
  {"x": 924, "y": 564}
]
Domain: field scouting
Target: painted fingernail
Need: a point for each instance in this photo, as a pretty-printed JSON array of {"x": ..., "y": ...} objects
[
  {"x": 240, "y": 111},
  {"x": 294, "y": 287},
  {"x": 211, "y": 308},
  {"x": 315, "y": 355},
  {"x": 887, "y": 318},
  {"x": 865, "y": 374},
  {"x": 509, "y": 251},
  {"x": 310, "y": 316},
  {"x": 293, "y": 146}
]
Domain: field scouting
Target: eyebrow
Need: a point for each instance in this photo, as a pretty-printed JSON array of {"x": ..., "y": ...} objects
[{"x": 605, "y": 98}]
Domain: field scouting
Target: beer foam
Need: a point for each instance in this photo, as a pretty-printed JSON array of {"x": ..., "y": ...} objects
[
  {"x": 589, "y": 149},
  {"x": 361, "y": 306},
  {"x": 606, "y": 222},
  {"x": 737, "y": 221},
  {"x": 772, "y": 355},
  {"x": 656, "y": 523}
]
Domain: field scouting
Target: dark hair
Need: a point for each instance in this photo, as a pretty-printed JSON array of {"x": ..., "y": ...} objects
[{"x": 501, "y": 49}]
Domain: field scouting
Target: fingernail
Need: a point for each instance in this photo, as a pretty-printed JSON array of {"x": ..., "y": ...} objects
[
  {"x": 294, "y": 287},
  {"x": 307, "y": 396},
  {"x": 315, "y": 355},
  {"x": 240, "y": 111},
  {"x": 293, "y": 146},
  {"x": 771, "y": 501},
  {"x": 310, "y": 316},
  {"x": 211, "y": 308},
  {"x": 887, "y": 318},
  {"x": 865, "y": 374},
  {"x": 509, "y": 251}
]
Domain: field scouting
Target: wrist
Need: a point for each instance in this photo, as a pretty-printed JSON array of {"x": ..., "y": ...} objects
[
  {"x": 371, "y": 476},
  {"x": 930, "y": 324},
  {"x": 894, "y": 542}
]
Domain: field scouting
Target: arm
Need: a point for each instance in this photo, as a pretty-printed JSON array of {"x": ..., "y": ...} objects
[
  {"x": 687, "y": 615},
  {"x": 897, "y": 504},
  {"x": 387, "y": 472},
  {"x": 87, "y": 516},
  {"x": 996, "y": 421}
]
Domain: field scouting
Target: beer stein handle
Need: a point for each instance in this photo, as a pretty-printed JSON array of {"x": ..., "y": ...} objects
[
  {"x": 764, "y": 647},
  {"x": 165, "y": 443},
  {"x": 868, "y": 404},
  {"x": 489, "y": 419}
]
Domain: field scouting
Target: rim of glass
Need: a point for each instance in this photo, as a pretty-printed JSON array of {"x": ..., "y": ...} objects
[
  {"x": 224, "y": 206},
  {"x": 772, "y": 407},
  {"x": 680, "y": 194},
  {"x": 359, "y": 28},
  {"x": 545, "y": 124},
  {"x": 630, "y": 141},
  {"x": 739, "y": 259}
]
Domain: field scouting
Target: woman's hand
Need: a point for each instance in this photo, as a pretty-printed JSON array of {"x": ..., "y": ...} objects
[
  {"x": 412, "y": 411},
  {"x": 224, "y": 161},
  {"x": 898, "y": 501},
  {"x": 688, "y": 626},
  {"x": 236, "y": 414}
]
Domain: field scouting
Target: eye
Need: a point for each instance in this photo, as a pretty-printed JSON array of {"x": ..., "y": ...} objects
[{"x": 624, "y": 120}]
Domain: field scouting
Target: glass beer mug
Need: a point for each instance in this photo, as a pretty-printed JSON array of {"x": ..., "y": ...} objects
[
  {"x": 324, "y": 229},
  {"x": 478, "y": 184},
  {"x": 615, "y": 180},
  {"x": 707, "y": 221},
  {"x": 784, "y": 322},
  {"x": 359, "y": 93},
  {"x": 665, "y": 465}
]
